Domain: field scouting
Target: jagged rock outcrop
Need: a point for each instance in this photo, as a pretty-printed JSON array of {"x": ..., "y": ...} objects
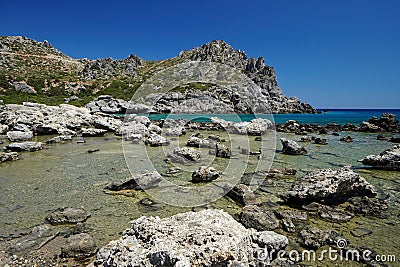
[
  {"x": 108, "y": 67},
  {"x": 290, "y": 147},
  {"x": 388, "y": 159},
  {"x": 387, "y": 122},
  {"x": 205, "y": 238},
  {"x": 260, "y": 73}
]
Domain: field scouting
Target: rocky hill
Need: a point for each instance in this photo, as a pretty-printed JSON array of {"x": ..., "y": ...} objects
[{"x": 36, "y": 71}]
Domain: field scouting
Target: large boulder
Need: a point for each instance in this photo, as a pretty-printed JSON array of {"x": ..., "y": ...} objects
[
  {"x": 387, "y": 122},
  {"x": 388, "y": 159},
  {"x": 205, "y": 174},
  {"x": 25, "y": 146},
  {"x": 205, "y": 238},
  {"x": 328, "y": 186},
  {"x": 290, "y": 147},
  {"x": 17, "y": 136}
]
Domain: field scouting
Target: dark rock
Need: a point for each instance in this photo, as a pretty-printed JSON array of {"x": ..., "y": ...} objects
[
  {"x": 395, "y": 139},
  {"x": 241, "y": 194},
  {"x": 329, "y": 187},
  {"x": 335, "y": 134},
  {"x": 67, "y": 215},
  {"x": 144, "y": 181},
  {"x": 347, "y": 139},
  {"x": 320, "y": 141},
  {"x": 255, "y": 217},
  {"x": 205, "y": 174},
  {"x": 323, "y": 131},
  {"x": 368, "y": 206},
  {"x": 79, "y": 246},
  {"x": 290, "y": 147},
  {"x": 32, "y": 240},
  {"x": 93, "y": 150},
  {"x": 293, "y": 215},
  {"x": 388, "y": 159},
  {"x": 220, "y": 150},
  {"x": 387, "y": 122},
  {"x": 25, "y": 146},
  {"x": 381, "y": 137},
  {"x": 305, "y": 139},
  {"x": 314, "y": 238}
]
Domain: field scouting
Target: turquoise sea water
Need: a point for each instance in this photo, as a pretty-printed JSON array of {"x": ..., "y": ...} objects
[{"x": 340, "y": 116}]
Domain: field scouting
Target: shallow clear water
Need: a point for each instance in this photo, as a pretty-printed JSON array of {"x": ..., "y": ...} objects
[{"x": 66, "y": 175}]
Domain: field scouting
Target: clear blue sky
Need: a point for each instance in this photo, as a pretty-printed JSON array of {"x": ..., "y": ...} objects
[{"x": 334, "y": 53}]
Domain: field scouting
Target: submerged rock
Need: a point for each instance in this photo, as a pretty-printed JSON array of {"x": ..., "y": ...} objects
[
  {"x": 205, "y": 174},
  {"x": 347, "y": 139},
  {"x": 320, "y": 141},
  {"x": 60, "y": 138},
  {"x": 25, "y": 146},
  {"x": 290, "y": 147},
  {"x": 205, "y": 238},
  {"x": 314, "y": 238},
  {"x": 255, "y": 217},
  {"x": 67, "y": 215},
  {"x": 79, "y": 246},
  {"x": 388, "y": 159},
  {"x": 329, "y": 187},
  {"x": 241, "y": 193}
]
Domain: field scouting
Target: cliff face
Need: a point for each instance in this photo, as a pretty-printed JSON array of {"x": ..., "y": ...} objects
[{"x": 55, "y": 78}]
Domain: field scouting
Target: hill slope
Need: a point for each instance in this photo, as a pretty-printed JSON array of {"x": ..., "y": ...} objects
[{"x": 36, "y": 71}]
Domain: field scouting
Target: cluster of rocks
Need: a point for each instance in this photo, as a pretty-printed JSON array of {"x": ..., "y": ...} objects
[
  {"x": 48, "y": 244},
  {"x": 254, "y": 127},
  {"x": 387, "y": 123},
  {"x": 388, "y": 159}
]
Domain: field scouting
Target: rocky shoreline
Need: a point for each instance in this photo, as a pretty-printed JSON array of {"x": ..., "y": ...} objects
[{"x": 205, "y": 237}]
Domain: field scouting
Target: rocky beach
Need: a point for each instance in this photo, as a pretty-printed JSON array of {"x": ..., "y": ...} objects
[{"x": 89, "y": 179}]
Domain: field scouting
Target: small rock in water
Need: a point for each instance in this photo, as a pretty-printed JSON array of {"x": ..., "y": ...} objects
[
  {"x": 347, "y": 139},
  {"x": 241, "y": 193},
  {"x": 93, "y": 150},
  {"x": 290, "y": 147},
  {"x": 320, "y": 141},
  {"x": 205, "y": 174},
  {"x": 79, "y": 246},
  {"x": 360, "y": 232},
  {"x": 255, "y": 217},
  {"x": 67, "y": 215}
]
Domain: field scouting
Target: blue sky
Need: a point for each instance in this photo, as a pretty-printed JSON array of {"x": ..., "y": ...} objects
[{"x": 343, "y": 54}]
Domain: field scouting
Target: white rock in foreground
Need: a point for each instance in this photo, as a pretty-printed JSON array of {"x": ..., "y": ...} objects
[{"x": 204, "y": 238}]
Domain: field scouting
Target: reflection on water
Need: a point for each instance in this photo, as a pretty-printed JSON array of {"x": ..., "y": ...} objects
[{"x": 66, "y": 175}]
